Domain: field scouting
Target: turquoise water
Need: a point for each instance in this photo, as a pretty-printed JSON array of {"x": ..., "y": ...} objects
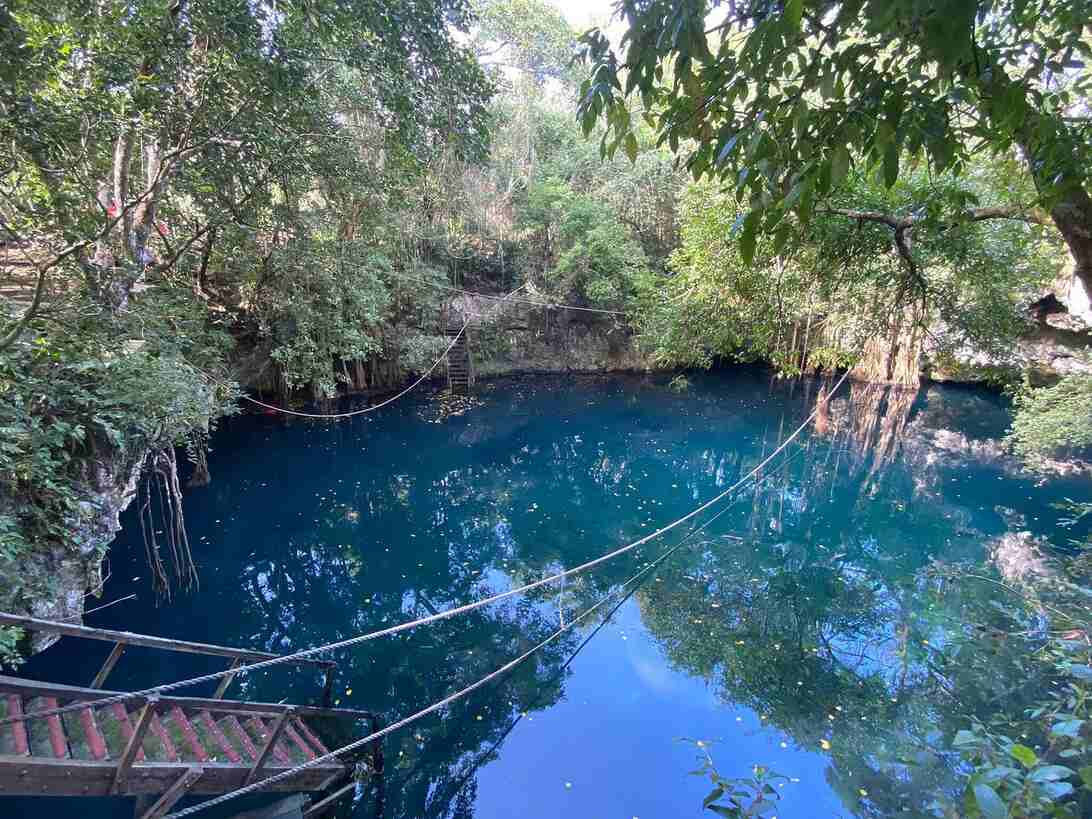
[{"x": 805, "y": 630}]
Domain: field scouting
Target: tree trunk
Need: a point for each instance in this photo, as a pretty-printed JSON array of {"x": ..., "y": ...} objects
[{"x": 1073, "y": 216}]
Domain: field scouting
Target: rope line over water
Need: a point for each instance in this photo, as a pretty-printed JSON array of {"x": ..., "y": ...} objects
[
  {"x": 374, "y": 407},
  {"x": 352, "y": 746},
  {"x": 393, "y": 398},
  {"x": 449, "y": 613}
]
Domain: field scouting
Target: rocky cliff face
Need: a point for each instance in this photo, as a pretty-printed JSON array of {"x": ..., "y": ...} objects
[
  {"x": 58, "y": 582},
  {"x": 511, "y": 336},
  {"x": 1059, "y": 344}
]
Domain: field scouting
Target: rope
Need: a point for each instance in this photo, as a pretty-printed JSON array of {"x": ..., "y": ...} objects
[
  {"x": 374, "y": 407},
  {"x": 219, "y": 800},
  {"x": 443, "y": 615},
  {"x": 390, "y": 400}
]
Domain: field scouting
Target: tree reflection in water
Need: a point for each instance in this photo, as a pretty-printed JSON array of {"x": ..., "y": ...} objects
[{"x": 828, "y": 619}]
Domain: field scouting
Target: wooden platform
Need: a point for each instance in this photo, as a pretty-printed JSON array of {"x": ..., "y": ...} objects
[
  {"x": 169, "y": 745},
  {"x": 220, "y": 742}
]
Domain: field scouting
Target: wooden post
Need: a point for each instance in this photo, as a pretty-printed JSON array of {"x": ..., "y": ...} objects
[
  {"x": 319, "y": 807},
  {"x": 125, "y": 761},
  {"x": 226, "y": 681},
  {"x": 267, "y": 749},
  {"x": 174, "y": 793},
  {"x": 108, "y": 666}
]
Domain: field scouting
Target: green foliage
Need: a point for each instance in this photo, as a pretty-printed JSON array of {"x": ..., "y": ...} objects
[
  {"x": 1049, "y": 421},
  {"x": 813, "y": 297},
  {"x": 175, "y": 174},
  {"x": 784, "y": 98},
  {"x": 586, "y": 251},
  {"x": 1037, "y": 762},
  {"x": 79, "y": 409},
  {"x": 319, "y": 308},
  {"x": 529, "y": 35},
  {"x": 738, "y": 797},
  {"x": 598, "y": 260}
]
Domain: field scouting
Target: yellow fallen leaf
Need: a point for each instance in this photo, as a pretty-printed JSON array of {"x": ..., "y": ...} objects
[{"x": 824, "y": 745}]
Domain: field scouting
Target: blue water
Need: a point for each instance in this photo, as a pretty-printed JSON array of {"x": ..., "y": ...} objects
[{"x": 805, "y": 630}]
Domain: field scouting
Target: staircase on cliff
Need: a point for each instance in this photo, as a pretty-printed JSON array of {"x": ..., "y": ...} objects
[{"x": 459, "y": 376}]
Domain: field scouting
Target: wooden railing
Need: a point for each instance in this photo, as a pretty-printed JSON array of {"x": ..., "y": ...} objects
[
  {"x": 179, "y": 776},
  {"x": 122, "y": 639}
]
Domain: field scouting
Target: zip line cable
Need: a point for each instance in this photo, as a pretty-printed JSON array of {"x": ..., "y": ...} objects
[
  {"x": 381, "y": 404},
  {"x": 256, "y": 786},
  {"x": 448, "y": 613}
]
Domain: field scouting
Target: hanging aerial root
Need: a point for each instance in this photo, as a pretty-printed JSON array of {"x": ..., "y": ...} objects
[{"x": 161, "y": 472}]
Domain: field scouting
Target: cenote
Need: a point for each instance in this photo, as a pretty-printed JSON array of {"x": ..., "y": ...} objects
[{"x": 818, "y": 628}]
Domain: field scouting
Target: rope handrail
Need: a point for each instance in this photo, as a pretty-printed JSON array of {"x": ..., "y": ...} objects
[
  {"x": 336, "y": 415},
  {"x": 452, "y": 612},
  {"x": 394, "y": 726},
  {"x": 393, "y": 398}
]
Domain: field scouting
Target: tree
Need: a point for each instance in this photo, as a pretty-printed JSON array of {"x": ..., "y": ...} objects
[
  {"x": 134, "y": 133},
  {"x": 780, "y": 99},
  {"x": 828, "y": 294},
  {"x": 526, "y": 35}
]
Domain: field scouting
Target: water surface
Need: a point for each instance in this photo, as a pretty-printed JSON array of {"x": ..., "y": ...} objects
[{"x": 806, "y": 629}]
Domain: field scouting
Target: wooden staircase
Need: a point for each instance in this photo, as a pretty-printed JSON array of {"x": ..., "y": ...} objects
[
  {"x": 166, "y": 745},
  {"x": 458, "y": 360}
]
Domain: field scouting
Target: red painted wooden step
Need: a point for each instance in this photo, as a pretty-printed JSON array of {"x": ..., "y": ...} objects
[
  {"x": 217, "y": 734},
  {"x": 299, "y": 742},
  {"x": 262, "y": 732},
  {"x": 156, "y": 729},
  {"x": 17, "y": 731},
  {"x": 305, "y": 732},
  {"x": 122, "y": 716},
  {"x": 57, "y": 740},
  {"x": 95, "y": 741},
  {"x": 233, "y": 729},
  {"x": 189, "y": 734}
]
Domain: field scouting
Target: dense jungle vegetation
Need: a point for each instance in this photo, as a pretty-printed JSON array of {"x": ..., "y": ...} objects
[{"x": 204, "y": 198}]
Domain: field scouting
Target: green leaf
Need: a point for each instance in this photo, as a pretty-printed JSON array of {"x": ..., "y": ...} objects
[
  {"x": 781, "y": 238},
  {"x": 1086, "y": 775},
  {"x": 1024, "y": 755},
  {"x": 713, "y": 796},
  {"x": 989, "y": 802},
  {"x": 965, "y": 739},
  {"x": 839, "y": 165},
  {"x": 749, "y": 236},
  {"x": 1068, "y": 728},
  {"x": 630, "y": 146},
  {"x": 1081, "y": 672},
  {"x": 1049, "y": 773},
  {"x": 1056, "y": 790},
  {"x": 794, "y": 12},
  {"x": 724, "y": 810},
  {"x": 891, "y": 164}
]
